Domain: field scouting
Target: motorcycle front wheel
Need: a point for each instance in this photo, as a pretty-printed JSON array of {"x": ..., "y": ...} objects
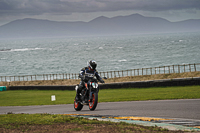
[
  {"x": 93, "y": 103},
  {"x": 77, "y": 105}
]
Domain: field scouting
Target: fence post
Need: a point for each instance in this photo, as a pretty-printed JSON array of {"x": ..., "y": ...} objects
[
  {"x": 131, "y": 72},
  {"x": 184, "y": 68},
  {"x": 146, "y": 71},
  {"x": 164, "y": 69},
  {"x": 190, "y": 67},
  {"x": 142, "y": 71},
  {"x": 178, "y": 68},
  {"x": 159, "y": 69},
  {"x": 194, "y": 67}
]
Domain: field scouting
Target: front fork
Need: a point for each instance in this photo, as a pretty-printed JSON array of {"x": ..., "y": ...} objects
[
  {"x": 90, "y": 94},
  {"x": 90, "y": 91}
]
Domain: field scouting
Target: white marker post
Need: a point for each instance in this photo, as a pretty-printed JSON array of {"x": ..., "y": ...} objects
[{"x": 53, "y": 98}]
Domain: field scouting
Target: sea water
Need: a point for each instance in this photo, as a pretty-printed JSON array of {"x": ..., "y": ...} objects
[{"x": 112, "y": 53}]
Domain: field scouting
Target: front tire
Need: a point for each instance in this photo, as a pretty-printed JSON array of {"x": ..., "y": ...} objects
[
  {"x": 77, "y": 105},
  {"x": 93, "y": 103}
]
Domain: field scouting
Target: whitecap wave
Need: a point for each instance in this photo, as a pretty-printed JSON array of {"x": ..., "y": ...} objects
[
  {"x": 26, "y": 49},
  {"x": 156, "y": 61},
  {"x": 176, "y": 41},
  {"x": 123, "y": 60}
]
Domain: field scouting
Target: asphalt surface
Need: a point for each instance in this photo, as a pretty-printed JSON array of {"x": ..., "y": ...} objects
[
  {"x": 185, "y": 109},
  {"x": 171, "y": 114}
]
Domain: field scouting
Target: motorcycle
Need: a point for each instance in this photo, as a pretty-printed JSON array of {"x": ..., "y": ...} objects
[{"x": 89, "y": 94}]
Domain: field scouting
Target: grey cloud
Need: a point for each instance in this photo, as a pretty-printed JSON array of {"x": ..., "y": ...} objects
[
  {"x": 34, "y": 7},
  {"x": 154, "y": 5}
]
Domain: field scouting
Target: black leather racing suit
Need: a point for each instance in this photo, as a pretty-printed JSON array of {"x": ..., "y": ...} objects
[{"x": 84, "y": 71}]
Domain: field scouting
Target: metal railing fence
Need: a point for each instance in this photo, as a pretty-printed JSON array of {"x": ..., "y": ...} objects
[{"x": 110, "y": 74}]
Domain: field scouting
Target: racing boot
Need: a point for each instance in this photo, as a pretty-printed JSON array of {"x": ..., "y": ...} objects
[
  {"x": 78, "y": 97},
  {"x": 78, "y": 90}
]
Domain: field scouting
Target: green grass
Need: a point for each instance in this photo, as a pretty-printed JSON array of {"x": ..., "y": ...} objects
[
  {"x": 39, "y": 97},
  {"x": 156, "y": 93},
  {"x": 26, "y": 122},
  {"x": 37, "y": 119},
  {"x": 35, "y": 97},
  {"x": 15, "y": 120}
]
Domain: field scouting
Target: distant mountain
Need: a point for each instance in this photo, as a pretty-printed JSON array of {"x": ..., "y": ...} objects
[{"x": 120, "y": 25}]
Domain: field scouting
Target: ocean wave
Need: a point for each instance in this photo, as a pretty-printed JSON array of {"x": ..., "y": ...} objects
[
  {"x": 2, "y": 58},
  {"x": 25, "y": 49},
  {"x": 123, "y": 60},
  {"x": 60, "y": 55},
  {"x": 177, "y": 41},
  {"x": 156, "y": 61}
]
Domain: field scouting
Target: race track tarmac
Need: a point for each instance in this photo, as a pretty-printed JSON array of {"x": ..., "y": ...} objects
[{"x": 184, "y": 109}]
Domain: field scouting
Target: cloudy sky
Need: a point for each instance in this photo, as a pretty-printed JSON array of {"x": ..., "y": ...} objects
[{"x": 86, "y": 10}]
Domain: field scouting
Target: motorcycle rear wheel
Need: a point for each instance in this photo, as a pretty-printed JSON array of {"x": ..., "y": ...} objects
[
  {"x": 93, "y": 103},
  {"x": 77, "y": 105}
]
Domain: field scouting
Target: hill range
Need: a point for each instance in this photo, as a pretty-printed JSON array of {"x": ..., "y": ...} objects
[{"x": 101, "y": 26}]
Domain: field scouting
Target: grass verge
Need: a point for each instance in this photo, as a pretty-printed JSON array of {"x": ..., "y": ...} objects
[
  {"x": 40, "y": 97},
  {"x": 62, "y": 123}
]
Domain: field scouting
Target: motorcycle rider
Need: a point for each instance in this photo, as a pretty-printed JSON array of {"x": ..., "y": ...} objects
[{"x": 90, "y": 69}]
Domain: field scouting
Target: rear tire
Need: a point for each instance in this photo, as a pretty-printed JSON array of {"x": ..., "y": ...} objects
[
  {"x": 93, "y": 103},
  {"x": 77, "y": 105}
]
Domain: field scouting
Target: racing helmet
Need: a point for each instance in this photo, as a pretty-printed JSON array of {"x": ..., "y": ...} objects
[{"x": 92, "y": 64}]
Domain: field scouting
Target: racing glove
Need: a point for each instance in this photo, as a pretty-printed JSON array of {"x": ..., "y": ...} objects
[{"x": 101, "y": 80}]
